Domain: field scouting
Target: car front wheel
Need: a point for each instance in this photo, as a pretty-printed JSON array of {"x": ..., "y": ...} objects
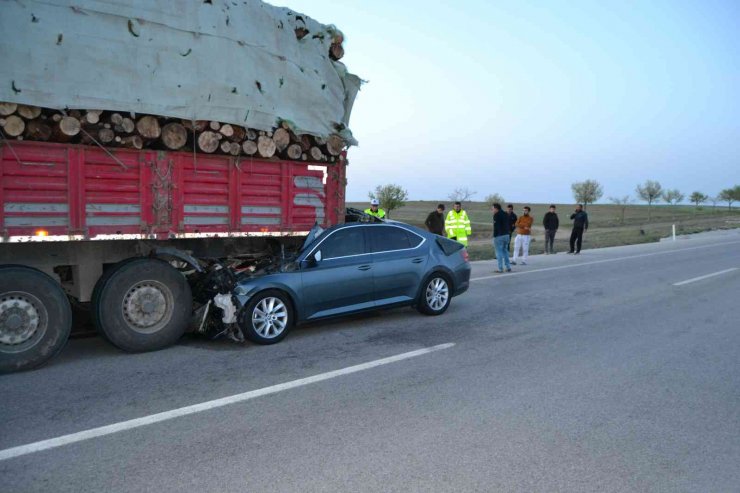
[
  {"x": 435, "y": 296},
  {"x": 267, "y": 318}
]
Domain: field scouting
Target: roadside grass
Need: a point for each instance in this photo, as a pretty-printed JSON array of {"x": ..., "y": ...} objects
[{"x": 606, "y": 227}]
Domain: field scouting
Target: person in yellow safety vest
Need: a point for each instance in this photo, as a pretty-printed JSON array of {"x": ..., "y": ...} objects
[
  {"x": 374, "y": 210},
  {"x": 457, "y": 224}
]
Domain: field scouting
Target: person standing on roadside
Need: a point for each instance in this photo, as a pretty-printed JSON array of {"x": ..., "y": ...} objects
[
  {"x": 512, "y": 221},
  {"x": 501, "y": 235},
  {"x": 580, "y": 224},
  {"x": 551, "y": 224},
  {"x": 523, "y": 235},
  {"x": 374, "y": 209},
  {"x": 436, "y": 221},
  {"x": 458, "y": 224}
]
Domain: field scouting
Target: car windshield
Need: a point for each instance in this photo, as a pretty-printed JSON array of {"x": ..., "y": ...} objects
[{"x": 315, "y": 232}]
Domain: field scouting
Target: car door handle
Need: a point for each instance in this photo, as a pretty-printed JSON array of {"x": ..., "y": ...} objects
[
  {"x": 418, "y": 260},
  {"x": 364, "y": 267}
]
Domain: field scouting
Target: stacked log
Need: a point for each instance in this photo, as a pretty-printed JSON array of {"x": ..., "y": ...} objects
[{"x": 138, "y": 131}]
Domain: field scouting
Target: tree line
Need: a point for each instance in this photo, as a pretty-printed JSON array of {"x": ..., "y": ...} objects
[{"x": 392, "y": 196}]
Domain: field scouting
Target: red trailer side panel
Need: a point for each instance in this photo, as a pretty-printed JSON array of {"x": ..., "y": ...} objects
[{"x": 73, "y": 192}]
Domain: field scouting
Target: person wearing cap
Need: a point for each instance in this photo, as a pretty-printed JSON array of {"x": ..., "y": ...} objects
[
  {"x": 457, "y": 224},
  {"x": 436, "y": 221},
  {"x": 374, "y": 210}
]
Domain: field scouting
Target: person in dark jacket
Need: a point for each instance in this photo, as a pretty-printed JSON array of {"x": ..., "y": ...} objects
[
  {"x": 551, "y": 224},
  {"x": 501, "y": 237},
  {"x": 512, "y": 220},
  {"x": 436, "y": 221},
  {"x": 580, "y": 224}
]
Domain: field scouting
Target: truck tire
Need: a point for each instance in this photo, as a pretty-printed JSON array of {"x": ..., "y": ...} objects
[
  {"x": 267, "y": 318},
  {"x": 95, "y": 298},
  {"x": 143, "y": 305},
  {"x": 35, "y": 318}
]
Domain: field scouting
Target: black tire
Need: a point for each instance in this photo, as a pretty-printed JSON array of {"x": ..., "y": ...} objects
[
  {"x": 265, "y": 333},
  {"x": 95, "y": 298},
  {"x": 144, "y": 305},
  {"x": 434, "y": 286},
  {"x": 35, "y": 318}
]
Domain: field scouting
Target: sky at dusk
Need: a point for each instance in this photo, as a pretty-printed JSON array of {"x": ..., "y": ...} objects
[{"x": 524, "y": 98}]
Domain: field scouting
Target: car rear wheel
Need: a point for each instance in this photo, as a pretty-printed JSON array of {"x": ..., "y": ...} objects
[
  {"x": 35, "y": 318},
  {"x": 436, "y": 295},
  {"x": 267, "y": 318},
  {"x": 143, "y": 305}
]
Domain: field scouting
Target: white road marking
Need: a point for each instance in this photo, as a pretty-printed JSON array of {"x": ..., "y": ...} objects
[
  {"x": 604, "y": 261},
  {"x": 206, "y": 406},
  {"x": 701, "y": 278}
]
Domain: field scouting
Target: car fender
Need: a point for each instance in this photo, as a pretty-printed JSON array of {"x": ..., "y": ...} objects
[{"x": 245, "y": 292}]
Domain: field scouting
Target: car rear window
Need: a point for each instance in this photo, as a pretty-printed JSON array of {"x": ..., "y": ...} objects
[{"x": 449, "y": 246}]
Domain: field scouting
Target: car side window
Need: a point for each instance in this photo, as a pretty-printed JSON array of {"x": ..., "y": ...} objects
[
  {"x": 343, "y": 243},
  {"x": 414, "y": 239},
  {"x": 388, "y": 238}
]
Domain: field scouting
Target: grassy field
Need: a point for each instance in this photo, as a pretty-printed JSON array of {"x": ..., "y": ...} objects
[{"x": 606, "y": 227}]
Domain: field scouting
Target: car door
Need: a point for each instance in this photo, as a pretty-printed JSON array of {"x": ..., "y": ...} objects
[
  {"x": 341, "y": 281},
  {"x": 400, "y": 261}
]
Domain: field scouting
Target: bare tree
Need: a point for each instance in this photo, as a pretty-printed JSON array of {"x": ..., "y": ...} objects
[
  {"x": 494, "y": 198},
  {"x": 698, "y": 198},
  {"x": 672, "y": 197},
  {"x": 390, "y": 197},
  {"x": 461, "y": 194},
  {"x": 650, "y": 193},
  {"x": 714, "y": 199},
  {"x": 587, "y": 192},
  {"x": 622, "y": 203}
]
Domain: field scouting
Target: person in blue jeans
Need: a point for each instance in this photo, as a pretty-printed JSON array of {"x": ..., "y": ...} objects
[{"x": 501, "y": 237}]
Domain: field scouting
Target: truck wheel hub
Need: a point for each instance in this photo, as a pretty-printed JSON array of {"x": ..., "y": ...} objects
[
  {"x": 147, "y": 306},
  {"x": 22, "y": 320}
]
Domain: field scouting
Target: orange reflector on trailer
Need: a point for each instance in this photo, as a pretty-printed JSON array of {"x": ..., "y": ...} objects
[{"x": 42, "y": 232}]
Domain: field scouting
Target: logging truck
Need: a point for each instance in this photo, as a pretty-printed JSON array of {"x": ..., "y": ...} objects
[{"x": 152, "y": 150}]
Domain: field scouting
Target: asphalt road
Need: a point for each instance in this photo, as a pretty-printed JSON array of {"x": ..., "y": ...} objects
[{"x": 575, "y": 373}]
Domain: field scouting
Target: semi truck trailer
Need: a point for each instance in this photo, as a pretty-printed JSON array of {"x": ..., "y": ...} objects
[{"x": 147, "y": 237}]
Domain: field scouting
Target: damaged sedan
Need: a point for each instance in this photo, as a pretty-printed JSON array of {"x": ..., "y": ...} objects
[{"x": 346, "y": 269}]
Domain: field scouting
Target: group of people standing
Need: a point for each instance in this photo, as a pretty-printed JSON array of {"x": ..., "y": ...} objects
[
  {"x": 506, "y": 223},
  {"x": 456, "y": 226}
]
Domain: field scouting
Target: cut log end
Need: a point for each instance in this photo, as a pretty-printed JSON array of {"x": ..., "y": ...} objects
[
  {"x": 266, "y": 146},
  {"x": 249, "y": 147},
  {"x": 14, "y": 126},
  {"x": 28, "y": 112},
  {"x": 133, "y": 141},
  {"x": 334, "y": 144},
  {"x": 174, "y": 136},
  {"x": 316, "y": 154},
  {"x": 69, "y": 126},
  {"x": 294, "y": 151},
  {"x": 281, "y": 138},
  {"x": 7, "y": 109},
  {"x": 208, "y": 142},
  {"x": 148, "y": 127},
  {"x": 226, "y": 130}
]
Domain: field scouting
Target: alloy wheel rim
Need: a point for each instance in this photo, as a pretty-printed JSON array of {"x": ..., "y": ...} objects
[
  {"x": 437, "y": 293},
  {"x": 270, "y": 317},
  {"x": 23, "y": 321}
]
